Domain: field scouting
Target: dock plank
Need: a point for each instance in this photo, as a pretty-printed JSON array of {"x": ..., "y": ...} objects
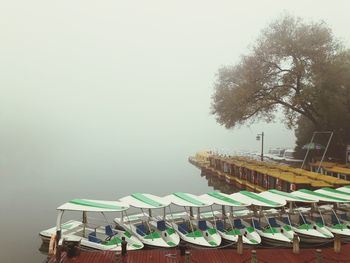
[{"x": 268, "y": 255}]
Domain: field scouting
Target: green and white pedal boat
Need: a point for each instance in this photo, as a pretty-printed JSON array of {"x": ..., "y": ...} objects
[
  {"x": 329, "y": 217},
  {"x": 90, "y": 234},
  {"x": 294, "y": 219},
  {"x": 330, "y": 227},
  {"x": 152, "y": 231},
  {"x": 229, "y": 227},
  {"x": 269, "y": 230},
  {"x": 193, "y": 230}
]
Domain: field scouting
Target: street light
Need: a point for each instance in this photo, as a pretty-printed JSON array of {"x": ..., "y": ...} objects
[{"x": 262, "y": 144}]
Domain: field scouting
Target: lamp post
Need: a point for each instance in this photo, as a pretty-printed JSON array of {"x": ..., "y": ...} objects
[{"x": 262, "y": 144}]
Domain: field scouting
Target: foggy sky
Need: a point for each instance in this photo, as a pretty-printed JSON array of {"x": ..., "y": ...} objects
[{"x": 104, "y": 77}]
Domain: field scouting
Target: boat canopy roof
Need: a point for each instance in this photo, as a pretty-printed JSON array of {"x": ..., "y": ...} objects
[
  {"x": 88, "y": 205},
  {"x": 223, "y": 199},
  {"x": 255, "y": 199},
  {"x": 147, "y": 201},
  {"x": 345, "y": 189},
  {"x": 321, "y": 197},
  {"x": 280, "y": 196},
  {"x": 334, "y": 193},
  {"x": 185, "y": 199}
]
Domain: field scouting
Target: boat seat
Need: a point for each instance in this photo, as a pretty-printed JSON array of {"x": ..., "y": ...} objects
[
  {"x": 257, "y": 224},
  {"x": 161, "y": 225},
  {"x": 238, "y": 223},
  {"x": 92, "y": 238},
  {"x": 141, "y": 229},
  {"x": 286, "y": 220},
  {"x": 220, "y": 226},
  {"x": 202, "y": 225},
  {"x": 335, "y": 220},
  {"x": 109, "y": 231},
  {"x": 183, "y": 228},
  {"x": 273, "y": 222}
]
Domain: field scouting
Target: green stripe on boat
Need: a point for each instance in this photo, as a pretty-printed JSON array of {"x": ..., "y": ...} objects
[
  {"x": 224, "y": 198},
  {"x": 274, "y": 191},
  {"x": 212, "y": 242},
  {"x": 136, "y": 245},
  {"x": 304, "y": 227},
  {"x": 250, "y": 229},
  {"x": 146, "y": 200},
  {"x": 153, "y": 235},
  {"x": 114, "y": 241},
  {"x": 321, "y": 195},
  {"x": 211, "y": 231},
  {"x": 270, "y": 230},
  {"x": 171, "y": 244},
  {"x": 127, "y": 234},
  {"x": 331, "y": 190},
  {"x": 234, "y": 232},
  {"x": 189, "y": 199},
  {"x": 95, "y": 204},
  {"x": 66, "y": 226},
  {"x": 170, "y": 231},
  {"x": 339, "y": 226},
  {"x": 195, "y": 233},
  {"x": 259, "y": 198},
  {"x": 287, "y": 228}
]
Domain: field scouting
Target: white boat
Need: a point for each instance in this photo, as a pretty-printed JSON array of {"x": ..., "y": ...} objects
[
  {"x": 293, "y": 218},
  {"x": 90, "y": 234},
  {"x": 228, "y": 226},
  {"x": 194, "y": 230},
  {"x": 331, "y": 226},
  {"x": 266, "y": 225},
  {"x": 328, "y": 217},
  {"x": 152, "y": 231}
]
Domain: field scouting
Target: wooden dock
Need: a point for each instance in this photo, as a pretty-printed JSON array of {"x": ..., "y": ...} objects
[{"x": 269, "y": 255}]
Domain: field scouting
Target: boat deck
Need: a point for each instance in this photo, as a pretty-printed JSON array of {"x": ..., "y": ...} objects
[{"x": 214, "y": 256}]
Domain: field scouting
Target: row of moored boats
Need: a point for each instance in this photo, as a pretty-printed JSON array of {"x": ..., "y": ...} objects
[{"x": 271, "y": 218}]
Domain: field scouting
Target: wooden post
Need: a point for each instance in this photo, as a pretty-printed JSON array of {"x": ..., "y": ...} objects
[
  {"x": 296, "y": 248},
  {"x": 58, "y": 246},
  {"x": 118, "y": 257},
  {"x": 318, "y": 255},
  {"x": 254, "y": 257},
  {"x": 240, "y": 245},
  {"x": 337, "y": 243},
  {"x": 84, "y": 223},
  {"x": 187, "y": 256}
]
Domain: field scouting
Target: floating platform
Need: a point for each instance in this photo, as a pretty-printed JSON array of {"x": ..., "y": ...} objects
[
  {"x": 257, "y": 176},
  {"x": 213, "y": 256}
]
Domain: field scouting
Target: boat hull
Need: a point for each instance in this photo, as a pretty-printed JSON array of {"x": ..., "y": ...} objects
[
  {"x": 74, "y": 229},
  {"x": 164, "y": 239}
]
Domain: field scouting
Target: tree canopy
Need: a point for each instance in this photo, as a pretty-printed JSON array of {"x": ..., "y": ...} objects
[{"x": 295, "y": 66}]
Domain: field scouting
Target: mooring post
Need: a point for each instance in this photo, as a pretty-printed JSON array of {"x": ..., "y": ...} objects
[
  {"x": 254, "y": 257},
  {"x": 187, "y": 256},
  {"x": 318, "y": 255},
  {"x": 296, "y": 248},
  {"x": 240, "y": 245},
  {"x": 337, "y": 243},
  {"x": 118, "y": 257}
]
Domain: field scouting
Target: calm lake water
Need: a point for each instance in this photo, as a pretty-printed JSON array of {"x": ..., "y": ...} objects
[{"x": 32, "y": 190}]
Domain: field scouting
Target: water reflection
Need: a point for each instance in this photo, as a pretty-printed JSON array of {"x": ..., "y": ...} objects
[{"x": 219, "y": 183}]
